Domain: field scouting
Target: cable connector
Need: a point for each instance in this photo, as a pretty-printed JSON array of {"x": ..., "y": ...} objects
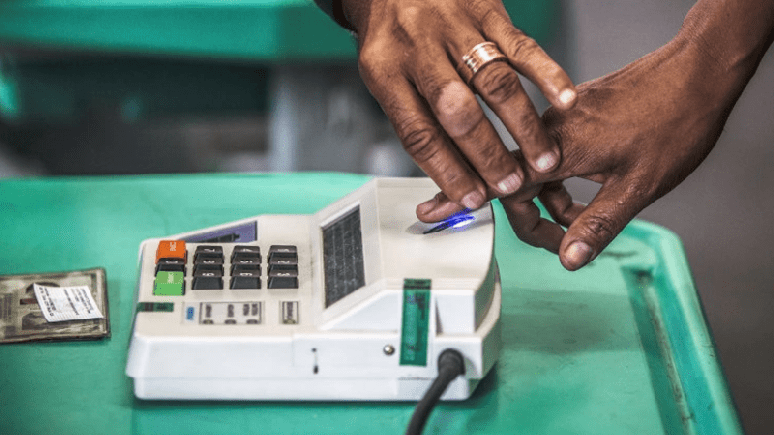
[{"x": 451, "y": 364}]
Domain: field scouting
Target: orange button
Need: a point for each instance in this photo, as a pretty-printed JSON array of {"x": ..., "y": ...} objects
[{"x": 171, "y": 249}]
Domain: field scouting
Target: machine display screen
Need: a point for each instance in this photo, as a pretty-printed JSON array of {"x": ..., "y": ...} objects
[{"x": 343, "y": 257}]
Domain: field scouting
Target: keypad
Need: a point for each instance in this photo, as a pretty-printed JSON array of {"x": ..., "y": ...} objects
[{"x": 212, "y": 270}]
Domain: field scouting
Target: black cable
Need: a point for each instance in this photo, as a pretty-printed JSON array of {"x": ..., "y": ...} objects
[{"x": 450, "y": 365}]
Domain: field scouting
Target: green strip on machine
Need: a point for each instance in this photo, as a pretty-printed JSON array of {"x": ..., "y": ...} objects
[
  {"x": 155, "y": 307},
  {"x": 416, "y": 319}
]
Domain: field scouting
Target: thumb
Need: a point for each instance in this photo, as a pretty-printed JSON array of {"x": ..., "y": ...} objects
[{"x": 616, "y": 203}]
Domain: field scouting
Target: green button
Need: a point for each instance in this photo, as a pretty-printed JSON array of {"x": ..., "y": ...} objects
[{"x": 169, "y": 284}]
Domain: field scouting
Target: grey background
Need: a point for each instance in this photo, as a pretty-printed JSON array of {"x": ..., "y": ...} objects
[{"x": 722, "y": 212}]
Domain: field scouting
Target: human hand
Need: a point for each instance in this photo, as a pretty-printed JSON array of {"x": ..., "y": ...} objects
[
  {"x": 638, "y": 131},
  {"x": 408, "y": 54}
]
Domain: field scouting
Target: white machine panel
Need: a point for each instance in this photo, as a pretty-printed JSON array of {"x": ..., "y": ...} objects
[{"x": 354, "y": 302}]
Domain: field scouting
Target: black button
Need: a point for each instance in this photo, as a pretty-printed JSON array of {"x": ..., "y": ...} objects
[
  {"x": 283, "y": 258},
  {"x": 246, "y": 273},
  {"x": 251, "y": 268},
  {"x": 283, "y": 282},
  {"x": 246, "y": 249},
  {"x": 205, "y": 269},
  {"x": 207, "y": 257},
  {"x": 209, "y": 249},
  {"x": 171, "y": 265},
  {"x": 247, "y": 262},
  {"x": 284, "y": 268},
  {"x": 241, "y": 256},
  {"x": 283, "y": 254},
  {"x": 207, "y": 283},
  {"x": 241, "y": 282},
  {"x": 283, "y": 248}
]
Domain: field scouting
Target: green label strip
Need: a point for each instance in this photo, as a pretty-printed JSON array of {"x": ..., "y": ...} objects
[
  {"x": 163, "y": 307},
  {"x": 416, "y": 318}
]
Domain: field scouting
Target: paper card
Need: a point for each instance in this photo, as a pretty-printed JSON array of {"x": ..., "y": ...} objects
[{"x": 59, "y": 304}]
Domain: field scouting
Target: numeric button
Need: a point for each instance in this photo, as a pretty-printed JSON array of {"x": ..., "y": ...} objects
[
  {"x": 246, "y": 280},
  {"x": 283, "y": 279},
  {"x": 246, "y": 252},
  {"x": 207, "y": 277}
]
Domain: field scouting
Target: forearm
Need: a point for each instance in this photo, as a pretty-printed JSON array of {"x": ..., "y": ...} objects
[{"x": 730, "y": 38}]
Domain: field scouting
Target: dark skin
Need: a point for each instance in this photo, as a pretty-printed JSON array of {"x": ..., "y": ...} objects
[
  {"x": 409, "y": 51},
  {"x": 638, "y": 131}
]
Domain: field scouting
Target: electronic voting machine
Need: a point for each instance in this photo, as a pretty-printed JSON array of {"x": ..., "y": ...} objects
[{"x": 354, "y": 302}]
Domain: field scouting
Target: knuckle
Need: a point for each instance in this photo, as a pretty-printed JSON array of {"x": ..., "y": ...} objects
[
  {"x": 638, "y": 189},
  {"x": 373, "y": 64},
  {"x": 457, "y": 109},
  {"x": 454, "y": 182},
  {"x": 419, "y": 137},
  {"x": 499, "y": 83},
  {"x": 411, "y": 19},
  {"x": 520, "y": 46},
  {"x": 529, "y": 125},
  {"x": 492, "y": 157},
  {"x": 488, "y": 15},
  {"x": 558, "y": 127},
  {"x": 602, "y": 227}
]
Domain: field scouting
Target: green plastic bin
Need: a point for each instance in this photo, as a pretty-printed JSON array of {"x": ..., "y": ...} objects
[{"x": 620, "y": 347}]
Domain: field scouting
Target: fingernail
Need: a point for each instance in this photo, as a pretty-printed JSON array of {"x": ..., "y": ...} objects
[
  {"x": 567, "y": 97},
  {"x": 473, "y": 200},
  {"x": 509, "y": 184},
  {"x": 428, "y": 206},
  {"x": 546, "y": 162},
  {"x": 577, "y": 255}
]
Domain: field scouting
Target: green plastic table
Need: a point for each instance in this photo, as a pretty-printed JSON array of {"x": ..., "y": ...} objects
[{"x": 620, "y": 347}]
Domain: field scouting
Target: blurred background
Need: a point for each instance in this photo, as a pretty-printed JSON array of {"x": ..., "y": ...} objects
[{"x": 137, "y": 87}]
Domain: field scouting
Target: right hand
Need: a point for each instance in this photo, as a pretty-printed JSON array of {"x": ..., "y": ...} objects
[
  {"x": 638, "y": 131},
  {"x": 408, "y": 55}
]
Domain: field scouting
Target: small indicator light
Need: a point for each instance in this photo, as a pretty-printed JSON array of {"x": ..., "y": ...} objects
[
  {"x": 456, "y": 221},
  {"x": 189, "y": 313}
]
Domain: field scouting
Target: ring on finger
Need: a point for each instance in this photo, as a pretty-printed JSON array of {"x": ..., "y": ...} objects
[{"x": 477, "y": 58}]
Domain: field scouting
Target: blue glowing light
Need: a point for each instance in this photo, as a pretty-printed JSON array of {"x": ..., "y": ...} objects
[
  {"x": 456, "y": 221},
  {"x": 463, "y": 223}
]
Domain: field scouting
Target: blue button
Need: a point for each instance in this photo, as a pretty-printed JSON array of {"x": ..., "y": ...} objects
[{"x": 189, "y": 313}]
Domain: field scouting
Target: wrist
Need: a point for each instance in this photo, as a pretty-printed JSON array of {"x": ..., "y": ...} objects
[{"x": 728, "y": 38}]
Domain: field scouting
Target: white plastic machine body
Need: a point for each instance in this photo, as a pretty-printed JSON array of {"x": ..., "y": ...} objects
[{"x": 317, "y": 341}]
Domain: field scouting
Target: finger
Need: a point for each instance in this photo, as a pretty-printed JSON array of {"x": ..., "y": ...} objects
[
  {"x": 421, "y": 134},
  {"x": 499, "y": 85},
  {"x": 616, "y": 203},
  {"x": 441, "y": 207},
  {"x": 457, "y": 109},
  {"x": 437, "y": 209},
  {"x": 529, "y": 59},
  {"x": 524, "y": 218},
  {"x": 559, "y": 203}
]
